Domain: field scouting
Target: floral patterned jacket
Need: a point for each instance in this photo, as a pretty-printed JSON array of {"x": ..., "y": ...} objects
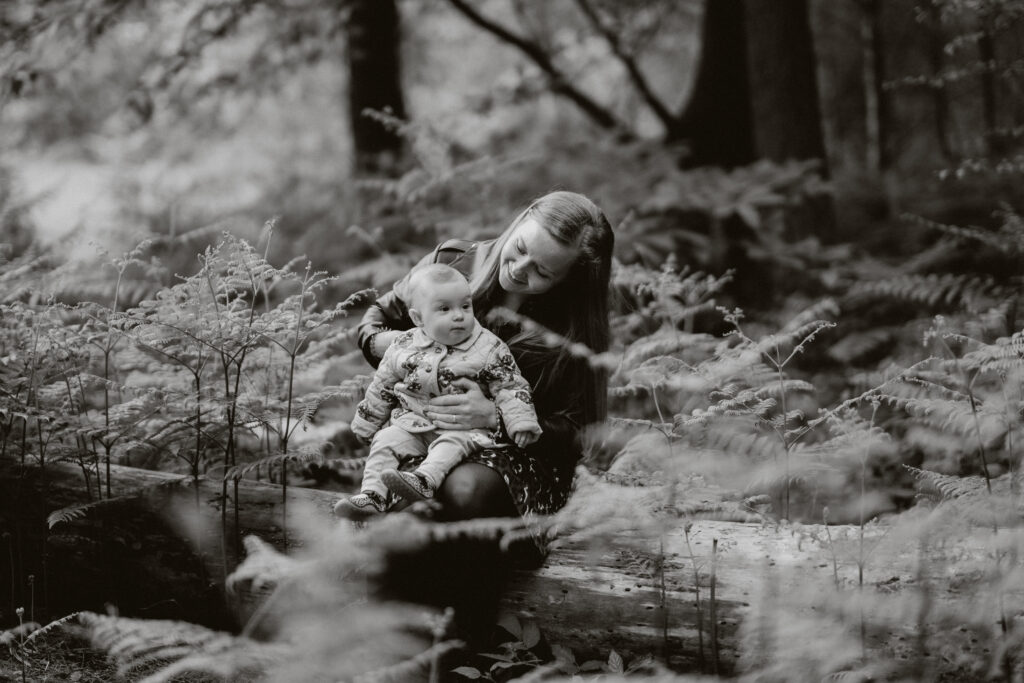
[{"x": 416, "y": 368}]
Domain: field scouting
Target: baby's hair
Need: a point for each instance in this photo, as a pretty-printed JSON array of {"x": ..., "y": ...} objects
[
  {"x": 435, "y": 273},
  {"x": 431, "y": 274}
]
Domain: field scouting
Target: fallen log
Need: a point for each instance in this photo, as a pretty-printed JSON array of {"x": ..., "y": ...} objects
[{"x": 681, "y": 592}]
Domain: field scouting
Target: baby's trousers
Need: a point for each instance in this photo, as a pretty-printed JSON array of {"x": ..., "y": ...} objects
[{"x": 444, "y": 450}]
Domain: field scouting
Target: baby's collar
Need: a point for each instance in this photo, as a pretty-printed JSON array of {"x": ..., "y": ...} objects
[{"x": 422, "y": 341}]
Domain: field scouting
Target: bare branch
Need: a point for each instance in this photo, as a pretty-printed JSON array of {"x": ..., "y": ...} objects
[
  {"x": 197, "y": 37},
  {"x": 667, "y": 118},
  {"x": 559, "y": 82}
]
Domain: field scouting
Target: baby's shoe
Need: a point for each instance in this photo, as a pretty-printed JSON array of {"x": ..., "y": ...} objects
[
  {"x": 361, "y": 506},
  {"x": 411, "y": 486}
]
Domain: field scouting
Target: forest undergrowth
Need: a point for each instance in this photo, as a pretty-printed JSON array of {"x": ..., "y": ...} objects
[
  {"x": 824, "y": 487},
  {"x": 902, "y": 471}
]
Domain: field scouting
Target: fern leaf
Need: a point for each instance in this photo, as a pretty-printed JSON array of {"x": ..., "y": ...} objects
[
  {"x": 792, "y": 339},
  {"x": 417, "y": 668},
  {"x": 308, "y": 455},
  {"x": 1004, "y": 355},
  {"x": 137, "y": 643},
  {"x": 668, "y": 343},
  {"x": 950, "y": 486},
  {"x": 855, "y": 346},
  {"x": 73, "y": 512},
  {"x": 53, "y": 625},
  {"x": 951, "y": 415},
  {"x": 786, "y": 386},
  {"x": 952, "y": 290},
  {"x": 812, "y": 315},
  {"x": 758, "y": 446}
]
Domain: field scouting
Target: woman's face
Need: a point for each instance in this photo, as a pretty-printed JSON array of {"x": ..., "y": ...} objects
[{"x": 532, "y": 261}]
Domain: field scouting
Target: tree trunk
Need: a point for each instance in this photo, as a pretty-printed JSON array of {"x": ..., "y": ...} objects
[
  {"x": 718, "y": 122},
  {"x": 939, "y": 96},
  {"x": 372, "y": 52},
  {"x": 784, "y": 91},
  {"x": 755, "y": 94},
  {"x": 875, "y": 96},
  {"x": 635, "y": 591},
  {"x": 987, "y": 54}
]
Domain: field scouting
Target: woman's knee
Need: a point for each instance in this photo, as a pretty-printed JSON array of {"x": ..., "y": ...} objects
[{"x": 475, "y": 490}]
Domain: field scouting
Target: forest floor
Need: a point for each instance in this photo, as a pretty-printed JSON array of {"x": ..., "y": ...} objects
[{"x": 56, "y": 656}]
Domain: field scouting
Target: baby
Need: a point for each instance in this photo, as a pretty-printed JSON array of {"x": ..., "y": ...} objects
[{"x": 447, "y": 344}]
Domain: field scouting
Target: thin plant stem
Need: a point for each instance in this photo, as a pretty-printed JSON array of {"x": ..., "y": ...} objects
[
  {"x": 831, "y": 547},
  {"x": 696, "y": 598},
  {"x": 922, "y": 612},
  {"x": 10, "y": 554},
  {"x": 782, "y": 404},
  {"x": 714, "y": 615},
  {"x": 665, "y": 644},
  {"x": 861, "y": 556}
]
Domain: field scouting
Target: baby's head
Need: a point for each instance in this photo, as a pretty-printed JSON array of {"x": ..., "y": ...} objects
[{"x": 440, "y": 303}]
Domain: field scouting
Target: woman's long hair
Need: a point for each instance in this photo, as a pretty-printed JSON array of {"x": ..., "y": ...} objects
[{"x": 575, "y": 308}]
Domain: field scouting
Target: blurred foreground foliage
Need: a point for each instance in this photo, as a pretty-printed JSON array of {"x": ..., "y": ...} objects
[{"x": 873, "y": 382}]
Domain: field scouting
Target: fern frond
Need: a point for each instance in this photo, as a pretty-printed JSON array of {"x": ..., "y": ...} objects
[
  {"x": 666, "y": 372},
  {"x": 744, "y": 402},
  {"x": 628, "y": 391},
  {"x": 955, "y": 416},
  {"x": 1004, "y": 355},
  {"x": 813, "y": 314},
  {"x": 636, "y": 423},
  {"x": 413, "y": 669},
  {"x": 792, "y": 340},
  {"x": 73, "y": 512},
  {"x": 854, "y": 346},
  {"x": 136, "y": 644},
  {"x": 955, "y": 290},
  {"x": 974, "y": 233},
  {"x": 302, "y": 456},
  {"x": 345, "y": 464},
  {"x": 668, "y": 343},
  {"x": 786, "y": 386},
  {"x": 758, "y": 446},
  {"x": 53, "y": 625},
  {"x": 950, "y": 486}
]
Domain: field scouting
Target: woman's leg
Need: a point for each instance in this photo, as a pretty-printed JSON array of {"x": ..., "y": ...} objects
[
  {"x": 473, "y": 490},
  {"x": 467, "y": 574}
]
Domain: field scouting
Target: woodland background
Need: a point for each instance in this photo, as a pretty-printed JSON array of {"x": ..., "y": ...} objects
[{"x": 846, "y": 172}]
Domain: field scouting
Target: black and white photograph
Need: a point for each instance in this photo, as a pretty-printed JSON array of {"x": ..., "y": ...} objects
[{"x": 432, "y": 341}]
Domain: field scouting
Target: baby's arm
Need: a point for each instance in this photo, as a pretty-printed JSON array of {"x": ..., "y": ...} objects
[
  {"x": 511, "y": 394},
  {"x": 375, "y": 408}
]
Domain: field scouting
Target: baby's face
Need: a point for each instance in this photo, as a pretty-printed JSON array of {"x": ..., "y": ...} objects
[{"x": 446, "y": 310}]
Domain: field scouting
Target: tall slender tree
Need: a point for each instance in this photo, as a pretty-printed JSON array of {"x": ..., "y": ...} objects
[
  {"x": 718, "y": 120},
  {"x": 375, "y": 81},
  {"x": 783, "y": 86}
]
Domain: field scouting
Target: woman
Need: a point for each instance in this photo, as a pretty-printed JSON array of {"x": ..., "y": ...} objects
[{"x": 551, "y": 265}]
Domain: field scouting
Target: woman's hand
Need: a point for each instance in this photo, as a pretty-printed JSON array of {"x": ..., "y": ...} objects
[{"x": 467, "y": 410}]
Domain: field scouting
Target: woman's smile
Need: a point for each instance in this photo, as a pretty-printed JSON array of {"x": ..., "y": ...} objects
[
  {"x": 532, "y": 260},
  {"x": 512, "y": 276}
]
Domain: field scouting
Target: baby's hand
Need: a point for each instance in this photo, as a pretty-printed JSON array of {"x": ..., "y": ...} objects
[{"x": 524, "y": 439}]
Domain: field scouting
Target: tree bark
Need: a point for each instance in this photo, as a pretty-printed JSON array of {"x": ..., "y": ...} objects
[
  {"x": 718, "y": 120},
  {"x": 875, "y": 96},
  {"x": 755, "y": 94},
  {"x": 784, "y": 91},
  {"x": 375, "y": 82},
  {"x": 939, "y": 95}
]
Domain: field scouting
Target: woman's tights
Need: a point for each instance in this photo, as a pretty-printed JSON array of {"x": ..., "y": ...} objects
[{"x": 467, "y": 574}]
